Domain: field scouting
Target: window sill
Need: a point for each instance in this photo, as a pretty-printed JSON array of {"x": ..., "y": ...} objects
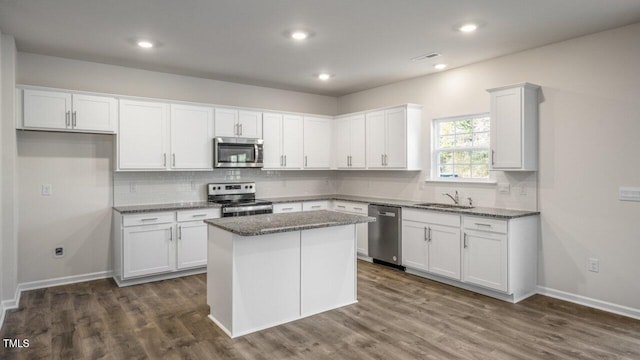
[{"x": 464, "y": 181}]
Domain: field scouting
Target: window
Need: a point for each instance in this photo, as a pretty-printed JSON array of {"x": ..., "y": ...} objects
[{"x": 461, "y": 147}]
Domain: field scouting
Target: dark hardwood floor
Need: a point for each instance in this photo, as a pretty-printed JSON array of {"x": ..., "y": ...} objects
[{"x": 398, "y": 316}]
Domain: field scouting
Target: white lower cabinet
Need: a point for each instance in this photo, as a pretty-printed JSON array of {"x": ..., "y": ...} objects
[
  {"x": 362, "y": 230},
  {"x": 496, "y": 257},
  {"x": 485, "y": 259},
  {"x": 431, "y": 242},
  {"x": 192, "y": 244},
  {"x": 152, "y": 246},
  {"x": 148, "y": 249}
]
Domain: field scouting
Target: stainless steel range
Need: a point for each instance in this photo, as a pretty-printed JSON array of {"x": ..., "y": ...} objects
[{"x": 238, "y": 199}]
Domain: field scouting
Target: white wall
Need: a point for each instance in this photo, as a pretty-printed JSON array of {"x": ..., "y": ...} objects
[
  {"x": 589, "y": 128},
  {"x": 8, "y": 220},
  {"x": 78, "y": 214}
]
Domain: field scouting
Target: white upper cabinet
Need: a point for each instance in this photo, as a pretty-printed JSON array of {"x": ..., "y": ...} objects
[
  {"x": 56, "y": 110},
  {"x": 160, "y": 136},
  {"x": 191, "y": 137},
  {"x": 349, "y": 142},
  {"x": 317, "y": 142},
  {"x": 143, "y": 143},
  {"x": 238, "y": 123},
  {"x": 514, "y": 127},
  {"x": 393, "y": 138},
  {"x": 282, "y": 141}
]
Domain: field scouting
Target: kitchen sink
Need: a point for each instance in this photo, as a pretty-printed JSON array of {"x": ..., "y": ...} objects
[{"x": 445, "y": 206}]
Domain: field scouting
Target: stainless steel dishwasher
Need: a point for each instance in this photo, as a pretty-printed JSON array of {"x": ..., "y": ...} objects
[{"x": 385, "y": 235}]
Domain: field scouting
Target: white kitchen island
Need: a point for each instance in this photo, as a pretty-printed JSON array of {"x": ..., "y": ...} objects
[{"x": 266, "y": 270}]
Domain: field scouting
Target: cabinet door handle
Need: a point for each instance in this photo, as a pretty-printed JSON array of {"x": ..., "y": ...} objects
[
  {"x": 425, "y": 234},
  {"x": 285, "y": 160},
  {"x": 386, "y": 160},
  {"x": 382, "y": 159},
  {"x": 173, "y": 158},
  {"x": 73, "y": 118},
  {"x": 67, "y": 117},
  {"x": 305, "y": 161},
  {"x": 235, "y": 129},
  {"x": 464, "y": 237},
  {"x": 281, "y": 161},
  {"x": 493, "y": 153},
  {"x": 171, "y": 233},
  {"x": 164, "y": 161},
  {"x": 179, "y": 232},
  {"x": 240, "y": 127},
  {"x": 429, "y": 233},
  {"x": 149, "y": 219}
]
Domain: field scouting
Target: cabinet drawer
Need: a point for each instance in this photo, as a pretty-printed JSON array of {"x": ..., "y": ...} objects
[
  {"x": 148, "y": 219},
  {"x": 286, "y": 208},
  {"x": 347, "y": 206},
  {"x": 485, "y": 224},
  {"x": 431, "y": 217},
  {"x": 198, "y": 214},
  {"x": 315, "y": 205}
]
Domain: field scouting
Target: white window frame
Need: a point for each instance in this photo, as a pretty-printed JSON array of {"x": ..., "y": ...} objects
[{"x": 435, "y": 150}]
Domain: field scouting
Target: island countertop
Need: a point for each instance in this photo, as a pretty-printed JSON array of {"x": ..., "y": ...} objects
[{"x": 276, "y": 223}]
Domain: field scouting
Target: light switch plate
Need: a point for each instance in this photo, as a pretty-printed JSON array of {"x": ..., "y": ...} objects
[{"x": 629, "y": 194}]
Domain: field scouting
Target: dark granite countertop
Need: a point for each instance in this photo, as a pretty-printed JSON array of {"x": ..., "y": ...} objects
[
  {"x": 277, "y": 223},
  {"x": 131, "y": 209},
  {"x": 497, "y": 213},
  {"x": 475, "y": 211}
]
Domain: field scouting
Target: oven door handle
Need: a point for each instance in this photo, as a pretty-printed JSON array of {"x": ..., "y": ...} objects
[{"x": 232, "y": 209}]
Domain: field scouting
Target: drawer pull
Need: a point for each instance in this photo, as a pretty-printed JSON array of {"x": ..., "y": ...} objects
[
  {"x": 481, "y": 224},
  {"x": 149, "y": 219},
  {"x": 287, "y": 209},
  {"x": 341, "y": 206},
  {"x": 315, "y": 207},
  {"x": 199, "y": 215},
  {"x": 355, "y": 208}
]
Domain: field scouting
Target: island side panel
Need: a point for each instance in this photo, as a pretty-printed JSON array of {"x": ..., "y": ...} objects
[
  {"x": 220, "y": 277},
  {"x": 266, "y": 281},
  {"x": 328, "y": 267}
]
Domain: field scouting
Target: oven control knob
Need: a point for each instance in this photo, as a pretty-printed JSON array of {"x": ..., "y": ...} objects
[{"x": 251, "y": 187}]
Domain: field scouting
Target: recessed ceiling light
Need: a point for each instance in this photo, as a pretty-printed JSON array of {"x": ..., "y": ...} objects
[
  {"x": 468, "y": 28},
  {"x": 324, "y": 76},
  {"x": 145, "y": 44},
  {"x": 299, "y": 35},
  {"x": 440, "y": 66}
]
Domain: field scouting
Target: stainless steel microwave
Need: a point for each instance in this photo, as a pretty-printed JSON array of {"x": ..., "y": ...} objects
[{"x": 237, "y": 152}]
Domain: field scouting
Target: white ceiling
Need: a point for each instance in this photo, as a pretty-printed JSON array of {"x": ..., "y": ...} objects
[{"x": 364, "y": 43}]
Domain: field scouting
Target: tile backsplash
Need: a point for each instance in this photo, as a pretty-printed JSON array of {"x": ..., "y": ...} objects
[{"x": 138, "y": 188}]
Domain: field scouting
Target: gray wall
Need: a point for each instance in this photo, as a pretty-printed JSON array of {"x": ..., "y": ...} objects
[
  {"x": 589, "y": 127},
  {"x": 8, "y": 197},
  {"x": 78, "y": 166}
]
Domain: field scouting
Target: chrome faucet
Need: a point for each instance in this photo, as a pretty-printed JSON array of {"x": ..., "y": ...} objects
[{"x": 456, "y": 199}]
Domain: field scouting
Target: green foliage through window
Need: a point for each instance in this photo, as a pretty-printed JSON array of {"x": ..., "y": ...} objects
[{"x": 461, "y": 146}]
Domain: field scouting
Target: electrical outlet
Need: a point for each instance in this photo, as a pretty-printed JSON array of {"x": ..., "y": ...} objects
[
  {"x": 594, "y": 265},
  {"x": 523, "y": 189},
  {"x": 58, "y": 252},
  {"x": 504, "y": 188},
  {"x": 47, "y": 190}
]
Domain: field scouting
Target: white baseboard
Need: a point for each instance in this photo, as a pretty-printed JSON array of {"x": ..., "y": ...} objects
[
  {"x": 33, "y": 285},
  {"x": 590, "y": 302}
]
